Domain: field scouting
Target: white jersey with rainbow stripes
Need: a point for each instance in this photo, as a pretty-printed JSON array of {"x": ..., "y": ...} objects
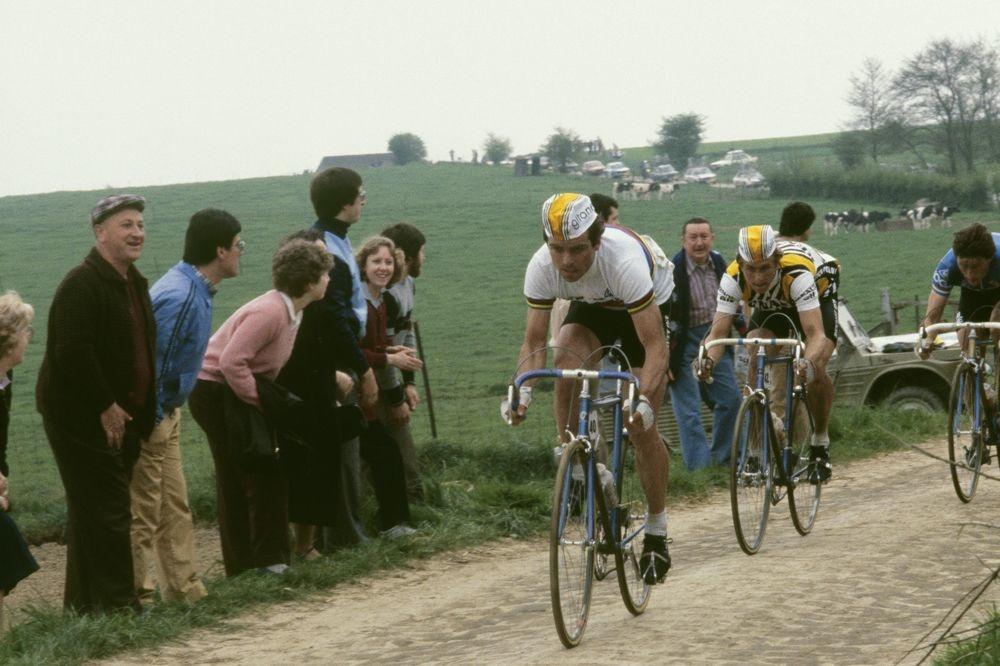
[{"x": 629, "y": 272}]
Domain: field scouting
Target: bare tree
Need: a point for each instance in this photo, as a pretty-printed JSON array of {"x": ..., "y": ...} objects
[
  {"x": 937, "y": 85},
  {"x": 873, "y": 101},
  {"x": 987, "y": 87}
]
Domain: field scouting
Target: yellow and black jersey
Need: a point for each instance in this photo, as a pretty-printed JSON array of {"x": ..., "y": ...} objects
[{"x": 794, "y": 286}]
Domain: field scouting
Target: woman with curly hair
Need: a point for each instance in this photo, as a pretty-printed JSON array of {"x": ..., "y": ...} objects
[
  {"x": 16, "y": 562},
  {"x": 255, "y": 342}
]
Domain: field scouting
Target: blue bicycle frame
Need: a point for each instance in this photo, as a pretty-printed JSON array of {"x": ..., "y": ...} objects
[{"x": 586, "y": 405}]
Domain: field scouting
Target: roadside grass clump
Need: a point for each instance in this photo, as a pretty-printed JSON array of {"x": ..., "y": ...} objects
[
  {"x": 978, "y": 645},
  {"x": 864, "y": 432}
]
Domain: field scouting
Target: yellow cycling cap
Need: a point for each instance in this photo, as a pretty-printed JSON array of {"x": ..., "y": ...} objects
[
  {"x": 756, "y": 242},
  {"x": 567, "y": 216}
]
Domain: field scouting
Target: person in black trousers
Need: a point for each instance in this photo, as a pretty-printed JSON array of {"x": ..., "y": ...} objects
[{"x": 96, "y": 395}]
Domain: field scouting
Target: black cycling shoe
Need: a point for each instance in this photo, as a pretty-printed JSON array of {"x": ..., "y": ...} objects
[
  {"x": 655, "y": 560},
  {"x": 820, "y": 469}
]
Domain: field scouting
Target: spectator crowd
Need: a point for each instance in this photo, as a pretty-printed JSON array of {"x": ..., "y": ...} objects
[{"x": 297, "y": 392}]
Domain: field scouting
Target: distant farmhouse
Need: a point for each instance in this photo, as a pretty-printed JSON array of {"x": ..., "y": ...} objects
[{"x": 357, "y": 161}]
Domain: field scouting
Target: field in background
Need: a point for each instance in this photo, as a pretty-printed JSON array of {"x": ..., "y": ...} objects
[{"x": 482, "y": 226}]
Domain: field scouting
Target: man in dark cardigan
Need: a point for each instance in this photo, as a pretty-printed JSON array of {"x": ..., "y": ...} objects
[
  {"x": 697, "y": 269},
  {"x": 96, "y": 394}
]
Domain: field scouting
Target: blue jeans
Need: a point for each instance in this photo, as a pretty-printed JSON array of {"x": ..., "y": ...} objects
[{"x": 722, "y": 396}]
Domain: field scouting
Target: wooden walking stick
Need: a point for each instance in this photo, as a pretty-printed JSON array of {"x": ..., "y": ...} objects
[{"x": 427, "y": 381}]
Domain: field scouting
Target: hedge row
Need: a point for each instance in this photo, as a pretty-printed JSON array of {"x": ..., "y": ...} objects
[{"x": 872, "y": 185}]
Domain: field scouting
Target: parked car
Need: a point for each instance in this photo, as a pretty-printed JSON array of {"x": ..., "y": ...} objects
[
  {"x": 749, "y": 178},
  {"x": 699, "y": 175},
  {"x": 664, "y": 173},
  {"x": 617, "y": 170},
  {"x": 733, "y": 157},
  {"x": 544, "y": 162},
  {"x": 885, "y": 371},
  {"x": 593, "y": 167}
]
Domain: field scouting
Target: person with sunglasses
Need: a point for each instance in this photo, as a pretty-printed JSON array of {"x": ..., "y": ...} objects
[{"x": 162, "y": 529}]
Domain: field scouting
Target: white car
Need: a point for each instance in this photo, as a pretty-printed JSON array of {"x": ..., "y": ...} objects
[
  {"x": 733, "y": 157},
  {"x": 617, "y": 170},
  {"x": 749, "y": 178},
  {"x": 699, "y": 175},
  {"x": 593, "y": 167}
]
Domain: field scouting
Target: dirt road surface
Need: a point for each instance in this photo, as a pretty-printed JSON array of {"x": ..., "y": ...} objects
[{"x": 886, "y": 561}]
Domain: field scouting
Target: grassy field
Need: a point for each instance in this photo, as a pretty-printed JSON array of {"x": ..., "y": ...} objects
[
  {"x": 484, "y": 480},
  {"x": 481, "y": 225}
]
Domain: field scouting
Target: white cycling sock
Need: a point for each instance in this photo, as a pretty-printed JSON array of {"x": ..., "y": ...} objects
[
  {"x": 656, "y": 523},
  {"x": 821, "y": 439}
]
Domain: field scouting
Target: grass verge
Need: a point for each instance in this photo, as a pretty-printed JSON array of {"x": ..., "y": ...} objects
[
  {"x": 979, "y": 645},
  {"x": 497, "y": 489}
]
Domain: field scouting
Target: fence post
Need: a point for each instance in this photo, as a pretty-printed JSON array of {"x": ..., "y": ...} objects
[{"x": 888, "y": 314}]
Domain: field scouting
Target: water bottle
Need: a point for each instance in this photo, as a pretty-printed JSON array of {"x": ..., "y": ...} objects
[{"x": 608, "y": 485}]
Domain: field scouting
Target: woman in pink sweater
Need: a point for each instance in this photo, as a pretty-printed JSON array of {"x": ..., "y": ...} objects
[{"x": 256, "y": 340}]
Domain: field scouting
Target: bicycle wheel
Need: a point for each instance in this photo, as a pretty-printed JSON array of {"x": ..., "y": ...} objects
[
  {"x": 964, "y": 437},
  {"x": 803, "y": 496},
  {"x": 750, "y": 476},
  {"x": 571, "y": 557},
  {"x": 631, "y": 511}
]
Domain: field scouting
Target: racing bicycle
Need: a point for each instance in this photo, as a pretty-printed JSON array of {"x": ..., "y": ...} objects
[
  {"x": 770, "y": 454},
  {"x": 592, "y": 518},
  {"x": 972, "y": 425}
]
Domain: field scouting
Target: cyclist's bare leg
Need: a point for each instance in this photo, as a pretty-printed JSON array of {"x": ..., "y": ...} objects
[
  {"x": 652, "y": 462},
  {"x": 574, "y": 342},
  {"x": 820, "y": 393}
]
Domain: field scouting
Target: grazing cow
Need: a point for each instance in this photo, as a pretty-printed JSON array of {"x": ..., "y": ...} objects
[
  {"x": 640, "y": 190},
  {"x": 830, "y": 223},
  {"x": 663, "y": 188},
  {"x": 869, "y": 218},
  {"x": 621, "y": 188},
  {"x": 944, "y": 213},
  {"x": 921, "y": 216}
]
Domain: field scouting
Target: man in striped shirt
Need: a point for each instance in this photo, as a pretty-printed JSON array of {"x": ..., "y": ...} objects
[
  {"x": 619, "y": 285},
  {"x": 697, "y": 271}
]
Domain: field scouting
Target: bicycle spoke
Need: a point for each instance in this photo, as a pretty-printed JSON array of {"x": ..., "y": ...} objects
[
  {"x": 750, "y": 479},
  {"x": 571, "y": 556},
  {"x": 965, "y": 439}
]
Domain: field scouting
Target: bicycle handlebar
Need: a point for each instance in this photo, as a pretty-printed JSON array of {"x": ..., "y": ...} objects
[
  {"x": 926, "y": 332},
  {"x": 742, "y": 342},
  {"x": 513, "y": 390}
]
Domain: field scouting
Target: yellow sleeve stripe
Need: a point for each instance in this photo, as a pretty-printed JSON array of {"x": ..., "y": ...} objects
[
  {"x": 540, "y": 304},
  {"x": 640, "y": 304}
]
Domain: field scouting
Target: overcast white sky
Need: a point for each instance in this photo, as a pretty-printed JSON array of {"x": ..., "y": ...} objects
[{"x": 148, "y": 92}]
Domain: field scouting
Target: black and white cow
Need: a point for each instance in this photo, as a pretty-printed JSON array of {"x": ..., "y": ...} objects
[{"x": 944, "y": 213}]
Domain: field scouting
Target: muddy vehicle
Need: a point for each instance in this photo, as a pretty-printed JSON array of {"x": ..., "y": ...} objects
[{"x": 885, "y": 371}]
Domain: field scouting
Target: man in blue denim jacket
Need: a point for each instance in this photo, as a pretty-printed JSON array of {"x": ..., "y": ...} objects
[{"x": 162, "y": 529}]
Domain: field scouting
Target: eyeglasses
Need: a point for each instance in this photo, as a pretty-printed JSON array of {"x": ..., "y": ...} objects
[
  {"x": 363, "y": 196},
  {"x": 241, "y": 245}
]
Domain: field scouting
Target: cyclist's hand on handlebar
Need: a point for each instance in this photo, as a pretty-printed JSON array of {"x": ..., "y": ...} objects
[
  {"x": 642, "y": 418},
  {"x": 805, "y": 370},
  {"x": 702, "y": 369},
  {"x": 519, "y": 414}
]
